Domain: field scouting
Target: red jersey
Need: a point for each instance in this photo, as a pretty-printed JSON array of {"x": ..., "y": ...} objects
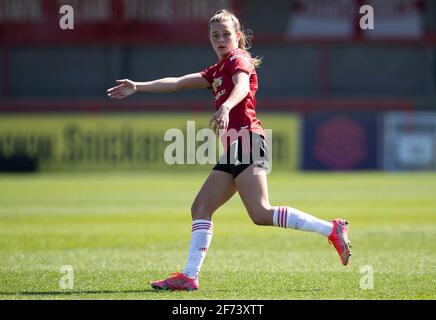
[{"x": 219, "y": 76}]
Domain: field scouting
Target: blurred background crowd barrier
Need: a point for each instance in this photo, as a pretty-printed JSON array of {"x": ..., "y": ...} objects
[{"x": 336, "y": 97}]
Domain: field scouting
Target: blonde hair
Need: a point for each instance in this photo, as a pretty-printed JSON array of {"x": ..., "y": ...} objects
[{"x": 246, "y": 34}]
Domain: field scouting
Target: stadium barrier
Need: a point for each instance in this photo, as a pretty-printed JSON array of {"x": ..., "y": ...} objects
[
  {"x": 409, "y": 141},
  {"x": 122, "y": 141},
  {"x": 18, "y": 163},
  {"x": 341, "y": 141}
]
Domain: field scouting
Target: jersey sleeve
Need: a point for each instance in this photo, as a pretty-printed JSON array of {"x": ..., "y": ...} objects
[
  {"x": 208, "y": 74},
  {"x": 239, "y": 62}
]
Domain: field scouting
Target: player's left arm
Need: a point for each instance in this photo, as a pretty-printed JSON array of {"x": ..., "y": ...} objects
[{"x": 241, "y": 81}]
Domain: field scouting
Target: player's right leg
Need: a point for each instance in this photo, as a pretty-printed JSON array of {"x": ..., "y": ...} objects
[{"x": 216, "y": 190}]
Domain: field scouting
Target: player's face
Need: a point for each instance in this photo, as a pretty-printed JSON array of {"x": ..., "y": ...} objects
[{"x": 223, "y": 37}]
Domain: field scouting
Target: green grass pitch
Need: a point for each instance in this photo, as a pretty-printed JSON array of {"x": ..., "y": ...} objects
[{"x": 119, "y": 231}]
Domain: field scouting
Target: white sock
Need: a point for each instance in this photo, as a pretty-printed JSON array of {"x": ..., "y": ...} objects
[
  {"x": 288, "y": 217},
  {"x": 202, "y": 231}
]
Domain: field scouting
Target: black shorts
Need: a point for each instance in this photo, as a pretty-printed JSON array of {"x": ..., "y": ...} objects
[{"x": 241, "y": 154}]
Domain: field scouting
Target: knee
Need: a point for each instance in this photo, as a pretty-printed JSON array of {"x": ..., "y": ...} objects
[
  {"x": 258, "y": 221},
  {"x": 199, "y": 211},
  {"x": 260, "y": 216}
]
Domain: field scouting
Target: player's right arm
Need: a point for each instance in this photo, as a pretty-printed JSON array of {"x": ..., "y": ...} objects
[{"x": 128, "y": 87}]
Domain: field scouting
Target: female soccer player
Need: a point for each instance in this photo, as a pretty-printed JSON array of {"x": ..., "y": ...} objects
[{"x": 233, "y": 81}]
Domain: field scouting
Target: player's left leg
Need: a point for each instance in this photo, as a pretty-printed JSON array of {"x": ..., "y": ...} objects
[{"x": 252, "y": 187}]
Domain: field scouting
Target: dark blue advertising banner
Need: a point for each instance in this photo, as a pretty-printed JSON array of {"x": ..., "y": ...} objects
[{"x": 335, "y": 141}]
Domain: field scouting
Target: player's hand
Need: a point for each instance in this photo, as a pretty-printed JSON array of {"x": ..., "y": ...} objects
[
  {"x": 125, "y": 88},
  {"x": 220, "y": 119}
]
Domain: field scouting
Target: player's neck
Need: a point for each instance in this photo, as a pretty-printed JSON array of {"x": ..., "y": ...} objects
[{"x": 221, "y": 58}]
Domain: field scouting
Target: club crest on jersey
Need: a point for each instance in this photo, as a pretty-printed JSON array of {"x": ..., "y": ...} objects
[
  {"x": 216, "y": 83},
  {"x": 236, "y": 56},
  {"x": 219, "y": 94}
]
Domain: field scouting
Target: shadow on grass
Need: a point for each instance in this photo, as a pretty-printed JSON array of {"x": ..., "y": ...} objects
[
  {"x": 66, "y": 292},
  {"x": 262, "y": 291}
]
